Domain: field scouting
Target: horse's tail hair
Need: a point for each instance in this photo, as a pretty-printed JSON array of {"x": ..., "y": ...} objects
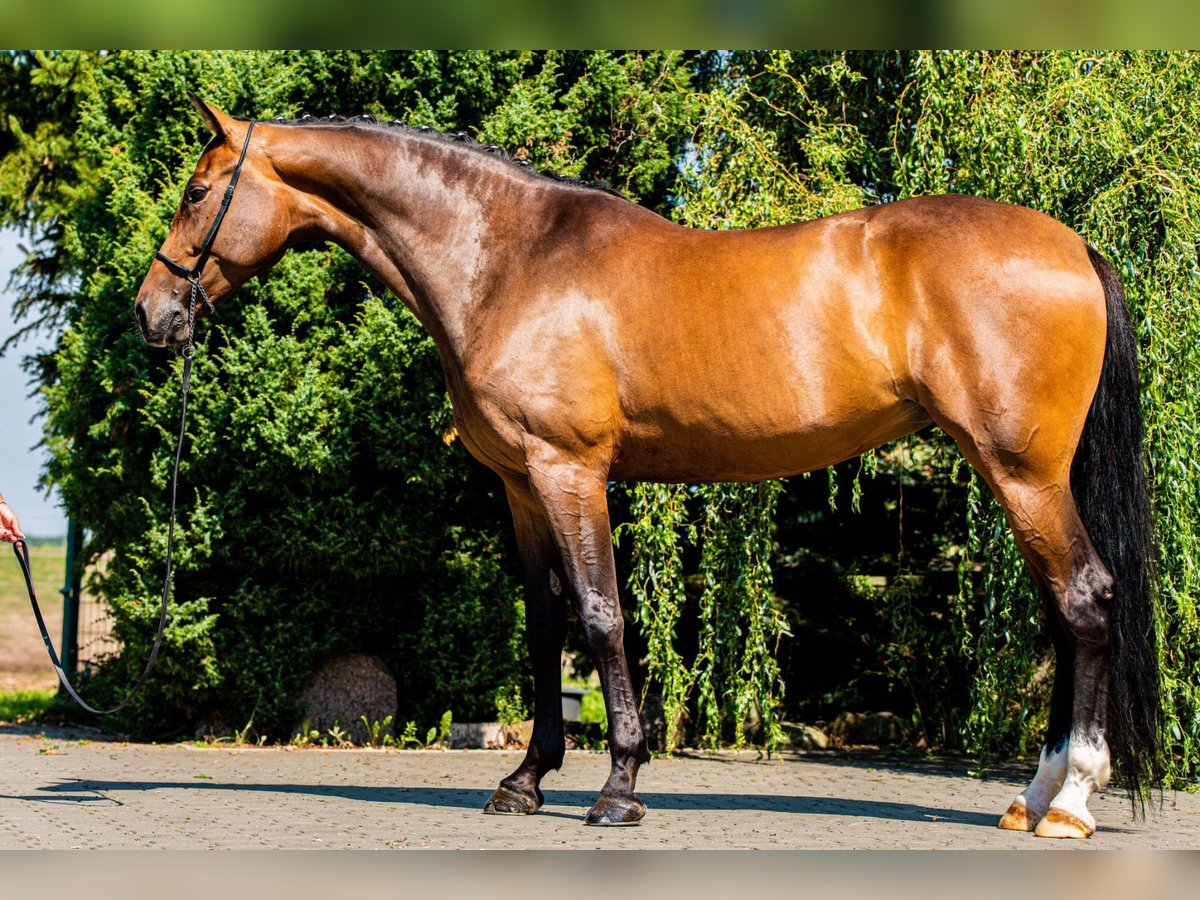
[{"x": 1108, "y": 479}]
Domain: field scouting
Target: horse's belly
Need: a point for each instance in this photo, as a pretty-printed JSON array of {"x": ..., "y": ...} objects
[{"x": 750, "y": 450}]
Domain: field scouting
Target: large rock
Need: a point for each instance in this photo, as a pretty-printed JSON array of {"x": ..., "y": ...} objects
[
  {"x": 345, "y": 689},
  {"x": 805, "y": 737},
  {"x": 880, "y": 729}
]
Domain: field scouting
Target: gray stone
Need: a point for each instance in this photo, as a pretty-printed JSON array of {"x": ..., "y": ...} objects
[
  {"x": 805, "y": 737},
  {"x": 572, "y": 702},
  {"x": 879, "y": 729},
  {"x": 345, "y": 689}
]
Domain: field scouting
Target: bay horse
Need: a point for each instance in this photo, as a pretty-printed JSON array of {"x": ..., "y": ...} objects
[{"x": 586, "y": 339}]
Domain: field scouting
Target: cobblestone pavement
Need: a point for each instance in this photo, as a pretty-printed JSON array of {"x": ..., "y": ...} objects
[{"x": 63, "y": 792}]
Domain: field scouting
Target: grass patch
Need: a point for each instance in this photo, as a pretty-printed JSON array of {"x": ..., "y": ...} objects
[
  {"x": 47, "y": 558},
  {"x": 592, "y": 709},
  {"x": 25, "y": 706}
]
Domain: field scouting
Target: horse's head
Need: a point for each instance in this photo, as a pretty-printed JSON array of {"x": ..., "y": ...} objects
[{"x": 213, "y": 242}]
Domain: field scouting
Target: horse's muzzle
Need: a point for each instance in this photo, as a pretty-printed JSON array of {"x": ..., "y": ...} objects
[{"x": 167, "y": 328}]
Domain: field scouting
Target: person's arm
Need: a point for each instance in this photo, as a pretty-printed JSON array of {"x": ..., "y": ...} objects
[{"x": 10, "y": 528}]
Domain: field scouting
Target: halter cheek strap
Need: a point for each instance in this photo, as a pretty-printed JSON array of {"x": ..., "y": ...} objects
[{"x": 193, "y": 274}]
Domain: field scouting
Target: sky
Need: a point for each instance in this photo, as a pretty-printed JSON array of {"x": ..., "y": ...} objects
[{"x": 21, "y": 461}]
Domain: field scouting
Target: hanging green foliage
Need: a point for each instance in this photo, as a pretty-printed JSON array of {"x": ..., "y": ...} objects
[{"x": 659, "y": 525}]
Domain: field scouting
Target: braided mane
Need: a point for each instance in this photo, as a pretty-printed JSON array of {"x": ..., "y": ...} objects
[{"x": 460, "y": 138}]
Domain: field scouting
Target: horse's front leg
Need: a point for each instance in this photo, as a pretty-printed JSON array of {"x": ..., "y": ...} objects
[
  {"x": 545, "y": 630},
  {"x": 572, "y": 496}
]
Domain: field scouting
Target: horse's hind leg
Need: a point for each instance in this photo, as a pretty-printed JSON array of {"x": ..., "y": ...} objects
[
  {"x": 545, "y": 630},
  {"x": 1075, "y": 760}
]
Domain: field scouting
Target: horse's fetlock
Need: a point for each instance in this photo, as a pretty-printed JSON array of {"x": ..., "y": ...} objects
[{"x": 551, "y": 762}]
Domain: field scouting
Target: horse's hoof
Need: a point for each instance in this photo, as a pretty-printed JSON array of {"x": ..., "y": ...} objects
[
  {"x": 1058, "y": 823},
  {"x": 609, "y": 811},
  {"x": 509, "y": 802},
  {"x": 1018, "y": 818}
]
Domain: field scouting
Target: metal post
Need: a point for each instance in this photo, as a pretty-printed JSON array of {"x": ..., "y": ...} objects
[{"x": 72, "y": 580}]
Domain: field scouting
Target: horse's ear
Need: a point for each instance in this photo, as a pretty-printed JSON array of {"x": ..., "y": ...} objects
[{"x": 217, "y": 121}]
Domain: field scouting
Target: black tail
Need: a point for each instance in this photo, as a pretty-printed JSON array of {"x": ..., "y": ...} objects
[{"x": 1108, "y": 479}]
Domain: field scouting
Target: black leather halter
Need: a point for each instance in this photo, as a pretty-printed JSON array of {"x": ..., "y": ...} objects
[{"x": 193, "y": 274}]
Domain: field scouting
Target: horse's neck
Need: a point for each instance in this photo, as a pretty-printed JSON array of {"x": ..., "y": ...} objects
[{"x": 428, "y": 218}]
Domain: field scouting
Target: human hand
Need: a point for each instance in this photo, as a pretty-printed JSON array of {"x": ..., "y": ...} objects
[{"x": 10, "y": 528}]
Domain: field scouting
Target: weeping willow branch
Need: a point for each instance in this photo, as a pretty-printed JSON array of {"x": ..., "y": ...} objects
[{"x": 734, "y": 676}]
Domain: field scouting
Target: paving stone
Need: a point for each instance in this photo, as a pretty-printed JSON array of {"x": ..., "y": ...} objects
[{"x": 62, "y": 792}]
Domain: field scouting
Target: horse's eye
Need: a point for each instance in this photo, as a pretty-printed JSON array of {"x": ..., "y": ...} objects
[{"x": 195, "y": 193}]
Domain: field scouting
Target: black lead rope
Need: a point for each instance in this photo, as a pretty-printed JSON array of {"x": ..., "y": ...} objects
[
  {"x": 21, "y": 549},
  {"x": 192, "y": 275}
]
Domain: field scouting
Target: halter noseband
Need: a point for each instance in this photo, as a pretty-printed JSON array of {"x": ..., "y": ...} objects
[{"x": 193, "y": 274}]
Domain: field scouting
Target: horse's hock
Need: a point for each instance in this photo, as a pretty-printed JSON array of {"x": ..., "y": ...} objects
[{"x": 345, "y": 689}]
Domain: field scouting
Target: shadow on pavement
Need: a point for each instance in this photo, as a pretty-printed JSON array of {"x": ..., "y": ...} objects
[
  {"x": 899, "y": 762},
  {"x": 98, "y": 791}
]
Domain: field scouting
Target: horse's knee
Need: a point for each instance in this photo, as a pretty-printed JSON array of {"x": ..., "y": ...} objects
[
  {"x": 600, "y": 618},
  {"x": 1085, "y": 606}
]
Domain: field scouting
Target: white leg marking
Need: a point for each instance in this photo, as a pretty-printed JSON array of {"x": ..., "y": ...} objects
[
  {"x": 1089, "y": 767},
  {"x": 1051, "y": 773}
]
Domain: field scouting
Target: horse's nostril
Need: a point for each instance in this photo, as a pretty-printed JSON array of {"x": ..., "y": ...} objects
[{"x": 143, "y": 321}]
